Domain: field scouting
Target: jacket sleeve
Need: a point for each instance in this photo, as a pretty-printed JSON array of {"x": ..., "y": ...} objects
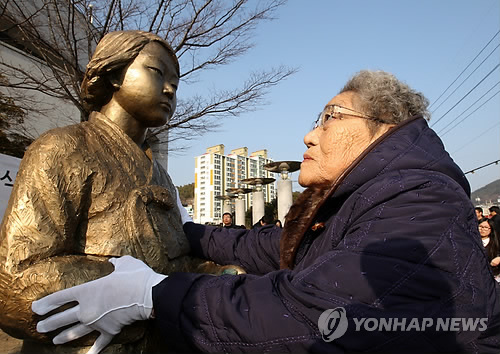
[
  {"x": 244, "y": 313},
  {"x": 255, "y": 250}
]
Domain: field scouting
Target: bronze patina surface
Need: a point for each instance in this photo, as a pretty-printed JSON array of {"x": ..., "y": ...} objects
[{"x": 91, "y": 191}]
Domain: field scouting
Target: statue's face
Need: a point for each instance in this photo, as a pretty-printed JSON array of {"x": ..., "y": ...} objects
[{"x": 148, "y": 86}]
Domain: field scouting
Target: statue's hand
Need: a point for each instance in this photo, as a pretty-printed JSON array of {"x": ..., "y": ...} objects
[
  {"x": 105, "y": 305},
  {"x": 153, "y": 194}
]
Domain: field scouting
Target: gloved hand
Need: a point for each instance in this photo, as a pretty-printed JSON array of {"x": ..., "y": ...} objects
[
  {"x": 105, "y": 305},
  {"x": 184, "y": 214}
]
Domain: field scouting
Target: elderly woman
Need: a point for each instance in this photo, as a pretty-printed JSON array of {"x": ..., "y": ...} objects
[
  {"x": 379, "y": 253},
  {"x": 91, "y": 191}
]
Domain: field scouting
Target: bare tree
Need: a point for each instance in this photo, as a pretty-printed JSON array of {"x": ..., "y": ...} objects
[
  {"x": 13, "y": 138},
  {"x": 205, "y": 34}
]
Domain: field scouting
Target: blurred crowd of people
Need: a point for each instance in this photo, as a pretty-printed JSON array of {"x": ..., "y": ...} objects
[
  {"x": 489, "y": 229},
  {"x": 227, "y": 222}
]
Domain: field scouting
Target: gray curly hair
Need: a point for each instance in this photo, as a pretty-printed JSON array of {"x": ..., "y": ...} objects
[{"x": 381, "y": 95}]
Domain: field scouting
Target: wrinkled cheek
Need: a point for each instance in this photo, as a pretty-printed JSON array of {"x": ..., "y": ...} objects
[
  {"x": 304, "y": 172},
  {"x": 308, "y": 174},
  {"x": 341, "y": 150},
  {"x": 332, "y": 155},
  {"x": 334, "y": 161}
]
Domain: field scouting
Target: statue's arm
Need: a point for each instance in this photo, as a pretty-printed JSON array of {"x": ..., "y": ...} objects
[
  {"x": 20, "y": 288},
  {"x": 40, "y": 251}
]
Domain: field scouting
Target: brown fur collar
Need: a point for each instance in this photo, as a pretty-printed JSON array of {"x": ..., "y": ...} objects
[{"x": 298, "y": 220}]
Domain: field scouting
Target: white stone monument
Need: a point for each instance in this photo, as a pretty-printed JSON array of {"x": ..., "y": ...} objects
[
  {"x": 239, "y": 204},
  {"x": 257, "y": 196},
  {"x": 285, "y": 196}
]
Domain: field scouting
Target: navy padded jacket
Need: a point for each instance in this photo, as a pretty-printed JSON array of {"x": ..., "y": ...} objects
[{"x": 400, "y": 241}]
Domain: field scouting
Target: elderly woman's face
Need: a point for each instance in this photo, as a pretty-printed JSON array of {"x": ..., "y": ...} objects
[{"x": 331, "y": 148}]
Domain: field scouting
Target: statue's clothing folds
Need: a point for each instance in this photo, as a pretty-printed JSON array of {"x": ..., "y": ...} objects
[{"x": 83, "y": 193}]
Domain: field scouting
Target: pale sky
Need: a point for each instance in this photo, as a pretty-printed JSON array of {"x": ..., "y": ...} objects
[{"x": 425, "y": 43}]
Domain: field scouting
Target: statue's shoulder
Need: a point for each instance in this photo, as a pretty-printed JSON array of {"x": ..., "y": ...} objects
[
  {"x": 63, "y": 139},
  {"x": 56, "y": 145}
]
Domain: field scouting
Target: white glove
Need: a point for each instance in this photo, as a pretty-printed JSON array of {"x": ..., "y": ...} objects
[
  {"x": 105, "y": 305},
  {"x": 184, "y": 214}
]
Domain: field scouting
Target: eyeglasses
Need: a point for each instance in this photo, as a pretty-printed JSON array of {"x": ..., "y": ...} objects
[
  {"x": 485, "y": 227},
  {"x": 334, "y": 111}
]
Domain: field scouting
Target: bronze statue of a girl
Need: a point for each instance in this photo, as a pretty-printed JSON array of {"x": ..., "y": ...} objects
[{"x": 91, "y": 191}]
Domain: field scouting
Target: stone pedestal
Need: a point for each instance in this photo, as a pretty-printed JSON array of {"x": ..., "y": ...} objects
[
  {"x": 240, "y": 211},
  {"x": 257, "y": 205},
  {"x": 284, "y": 198},
  {"x": 227, "y": 207},
  {"x": 285, "y": 195}
]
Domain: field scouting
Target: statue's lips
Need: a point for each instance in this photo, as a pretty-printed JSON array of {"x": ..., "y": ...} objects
[{"x": 166, "y": 106}]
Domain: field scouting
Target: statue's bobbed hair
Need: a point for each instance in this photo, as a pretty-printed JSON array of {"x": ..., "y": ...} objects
[{"x": 113, "y": 53}]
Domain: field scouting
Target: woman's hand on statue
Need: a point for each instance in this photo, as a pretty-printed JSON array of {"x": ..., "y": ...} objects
[
  {"x": 184, "y": 214},
  {"x": 105, "y": 305}
]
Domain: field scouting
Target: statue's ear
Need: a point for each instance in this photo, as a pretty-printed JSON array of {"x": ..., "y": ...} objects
[
  {"x": 115, "y": 78},
  {"x": 115, "y": 81}
]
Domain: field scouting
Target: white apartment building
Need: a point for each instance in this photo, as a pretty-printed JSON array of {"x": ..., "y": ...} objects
[{"x": 215, "y": 172}]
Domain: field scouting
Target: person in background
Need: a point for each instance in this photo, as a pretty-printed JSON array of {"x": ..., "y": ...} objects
[
  {"x": 490, "y": 238},
  {"x": 494, "y": 211},
  {"x": 479, "y": 213},
  {"x": 263, "y": 221},
  {"x": 277, "y": 222},
  {"x": 227, "y": 220},
  {"x": 385, "y": 229}
]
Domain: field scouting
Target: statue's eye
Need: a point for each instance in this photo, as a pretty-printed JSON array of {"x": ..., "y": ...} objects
[{"x": 156, "y": 70}]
